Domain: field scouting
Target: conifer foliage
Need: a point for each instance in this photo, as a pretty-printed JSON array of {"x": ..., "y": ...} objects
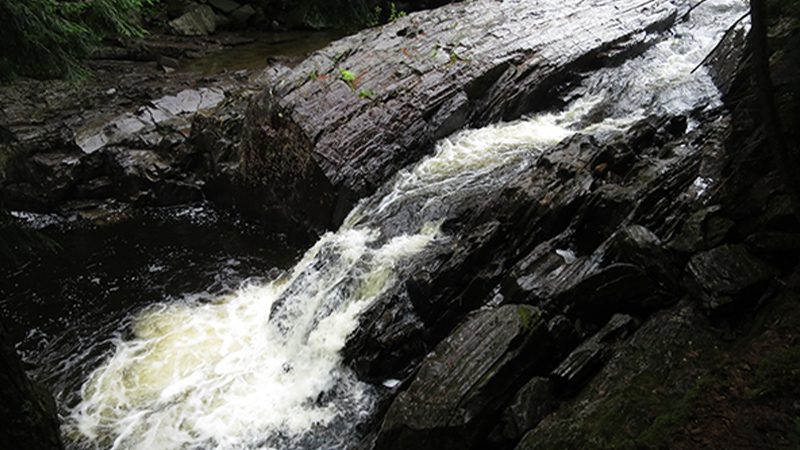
[{"x": 45, "y": 38}]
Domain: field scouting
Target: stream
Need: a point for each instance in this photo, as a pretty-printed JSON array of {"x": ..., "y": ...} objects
[{"x": 252, "y": 359}]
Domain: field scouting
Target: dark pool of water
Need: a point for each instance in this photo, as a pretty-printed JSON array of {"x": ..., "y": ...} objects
[
  {"x": 289, "y": 46},
  {"x": 59, "y": 306}
]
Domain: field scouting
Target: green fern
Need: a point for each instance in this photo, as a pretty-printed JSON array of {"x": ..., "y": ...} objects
[{"x": 46, "y": 38}]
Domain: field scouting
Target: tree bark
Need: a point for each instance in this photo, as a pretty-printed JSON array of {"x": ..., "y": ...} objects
[{"x": 785, "y": 160}]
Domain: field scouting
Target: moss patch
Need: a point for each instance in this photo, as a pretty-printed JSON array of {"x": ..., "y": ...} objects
[
  {"x": 778, "y": 374},
  {"x": 642, "y": 415}
]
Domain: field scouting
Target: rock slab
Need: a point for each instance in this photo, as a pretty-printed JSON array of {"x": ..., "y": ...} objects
[
  {"x": 466, "y": 380},
  {"x": 369, "y": 104}
]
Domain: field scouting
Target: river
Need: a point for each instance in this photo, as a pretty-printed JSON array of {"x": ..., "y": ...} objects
[{"x": 259, "y": 365}]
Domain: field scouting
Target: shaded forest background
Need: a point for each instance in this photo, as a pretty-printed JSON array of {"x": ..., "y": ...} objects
[{"x": 47, "y": 38}]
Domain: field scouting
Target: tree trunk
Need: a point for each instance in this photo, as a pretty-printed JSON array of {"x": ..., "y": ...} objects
[{"x": 785, "y": 160}]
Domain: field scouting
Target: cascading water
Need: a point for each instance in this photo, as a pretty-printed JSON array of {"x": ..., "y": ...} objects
[{"x": 261, "y": 366}]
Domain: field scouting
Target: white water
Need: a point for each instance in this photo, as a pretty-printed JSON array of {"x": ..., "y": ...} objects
[{"x": 223, "y": 373}]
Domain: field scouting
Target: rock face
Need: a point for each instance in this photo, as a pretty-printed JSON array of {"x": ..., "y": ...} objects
[
  {"x": 727, "y": 276},
  {"x": 651, "y": 357},
  {"x": 589, "y": 356},
  {"x": 677, "y": 309},
  {"x": 528, "y": 245},
  {"x": 354, "y": 113},
  {"x": 463, "y": 382},
  {"x": 532, "y": 403},
  {"x": 27, "y": 411}
]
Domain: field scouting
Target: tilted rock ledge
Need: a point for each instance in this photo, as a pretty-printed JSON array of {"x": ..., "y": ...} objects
[{"x": 334, "y": 128}]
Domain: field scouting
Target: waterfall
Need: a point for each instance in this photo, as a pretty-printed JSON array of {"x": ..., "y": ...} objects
[{"x": 261, "y": 367}]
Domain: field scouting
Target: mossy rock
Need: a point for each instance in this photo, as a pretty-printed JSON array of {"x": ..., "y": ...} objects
[{"x": 647, "y": 389}]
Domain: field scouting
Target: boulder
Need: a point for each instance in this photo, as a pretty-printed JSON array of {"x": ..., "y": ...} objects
[
  {"x": 702, "y": 230},
  {"x": 466, "y": 380},
  {"x": 518, "y": 246},
  {"x": 224, "y": 6},
  {"x": 243, "y": 14},
  {"x": 590, "y": 356},
  {"x": 651, "y": 373},
  {"x": 199, "y": 21},
  {"x": 728, "y": 277},
  {"x": 527, "y": 408}
]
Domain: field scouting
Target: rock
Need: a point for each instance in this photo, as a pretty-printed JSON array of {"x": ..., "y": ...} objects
[
  {"x": 27, "y": 411},
  {"x": 455, "y": 74},
  {"x": 466, "y": 380},
  {"x": 729, "y": 277},
  {"x": 395, "y": 334},
  {"x": 725, "y": 62},
  {"x": 519, "y": 247},
  {"x": 224, "y": 6},
  {"x": 630, "y": 271},
  {"x": 6, "y": 136},
  {"x": 527, "y": 408},
  {"x": 243, "y": 14},
  {"x": 199, "y": 21},
  {"x": 222, "y": 21},
  {"x": 652, "y": 373},
  {"x": 590, "y": 356},
  {"x": 166, "y": 120},
  {"x": 703, "y": 230},
  {"x": 774, "y": 243},
  {"x": 168, "y": 64},
  {"x": 175, "y": 8}
]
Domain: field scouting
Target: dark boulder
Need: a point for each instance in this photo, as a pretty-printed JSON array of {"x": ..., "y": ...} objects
[
  {"x": 465, "y": 381},
  {"x": 27, "y": 411},
  {"x": 729, "y": 277},
  {"x": 590, "y": 356},
  {"x": 646, "y": 374},
  {"x": 526, "y": 409}
]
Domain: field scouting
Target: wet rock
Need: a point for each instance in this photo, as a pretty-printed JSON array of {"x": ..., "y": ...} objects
[
  {"x": 590, "y": 356},
  {"x": 222, "y": 21},
  {"x": 395, "y": 334},
  {"x": 199, "y": 21},
  {"x": 466, "y": 380},
  {"x": 175, "y": 8},
  {"x": 27, "y": 411},
  {"x": 168, "y": 64},
  {"x": 224, "y": 6},
  {"x": 630, "y": 271},
  {"x": 703, "y": 230},
  {"x": 519, "y": 247},
  {"x": 724, "y": 63},
  {"x": 454, "y": 74},
  {"x": 728, "y": 277},
  {"x": 652, "y": 373},
  {"x": 6, "y": 136},
  {"x": 527, "y": 408},
  {"x": 774, "y": 243}
]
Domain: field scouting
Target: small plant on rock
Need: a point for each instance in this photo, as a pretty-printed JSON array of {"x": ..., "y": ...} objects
[{"x": 348, "y": 77}]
